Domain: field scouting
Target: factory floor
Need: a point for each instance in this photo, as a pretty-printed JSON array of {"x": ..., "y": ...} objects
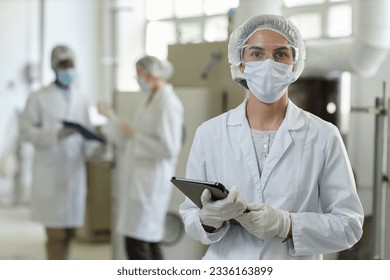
[{"x": 23, "y": 239}]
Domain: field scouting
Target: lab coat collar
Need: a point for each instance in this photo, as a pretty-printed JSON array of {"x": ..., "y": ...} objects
[
  {"x": 238, "y": 115},
  {"x": 162, "y": 92},
  {"x": 293, "y": 121},
  {"x": 164, "y": 88},
  {"x": 294, "y": 118}
]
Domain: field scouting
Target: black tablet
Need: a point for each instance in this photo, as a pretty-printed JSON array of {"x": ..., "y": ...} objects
[
  {"x": 86, "y": 133},
  {"x": 193, "y": 189}
]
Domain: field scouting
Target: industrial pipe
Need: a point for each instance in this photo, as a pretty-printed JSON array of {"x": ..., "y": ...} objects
[{"x": 362, "y": 54}]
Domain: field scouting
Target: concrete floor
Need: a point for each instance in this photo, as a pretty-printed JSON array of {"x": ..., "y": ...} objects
[{"x": 23, "y": 239}]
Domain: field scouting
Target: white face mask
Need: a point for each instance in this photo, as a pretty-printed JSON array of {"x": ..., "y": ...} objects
[
  {"x": 144, "y": 85},
  {"x": 268, "y": 80}
]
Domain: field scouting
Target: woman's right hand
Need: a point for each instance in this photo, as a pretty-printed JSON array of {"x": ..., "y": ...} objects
[
  {"x": 105, "y": 109},
  {"x": 215, "y": 212}
]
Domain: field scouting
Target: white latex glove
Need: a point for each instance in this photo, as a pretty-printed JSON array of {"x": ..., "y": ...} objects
[
  {"x": 66, "y": 132},
  {"x": 215, "y": 212},
  {"x": 264, "y": 221}
]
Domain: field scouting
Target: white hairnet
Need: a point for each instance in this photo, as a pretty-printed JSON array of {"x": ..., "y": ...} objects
[
  {"x": 156, "y": 67},
  {"x": 241, "y": 35},
  {"x": 60, "y": 53}
]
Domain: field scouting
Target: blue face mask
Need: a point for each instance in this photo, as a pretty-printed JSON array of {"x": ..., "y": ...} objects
[{"x": 66, "y": 76}]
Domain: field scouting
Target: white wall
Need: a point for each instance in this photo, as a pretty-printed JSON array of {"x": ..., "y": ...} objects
[
  {"x": 18, "y": 21},
  {"x": 72, "y": 22}
]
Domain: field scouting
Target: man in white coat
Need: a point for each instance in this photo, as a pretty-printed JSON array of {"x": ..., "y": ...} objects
[
  {"x": 292, "y": 192},
  {"x": 149, "y": 148},
  {"x": 59, "y": 176}
]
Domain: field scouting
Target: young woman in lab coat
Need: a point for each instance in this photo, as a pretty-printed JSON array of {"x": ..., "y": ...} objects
[
  {"x": 149, "y": 150},
  {"x": 59, "y": 177},
  {"x": 292, "y": 192}
]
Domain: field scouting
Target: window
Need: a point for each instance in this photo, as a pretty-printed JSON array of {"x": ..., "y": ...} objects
[
  {"x": 320, "y": 18},
  {"x": 214, "y": 7},
  {"x": 127, "y": 44},
  {"x": 309, "y": 24},
  {"x": 197, "y": 21},
  {"x": 216, "y": 29},
  {"x": 292, "y": 3},
  {"x": 167, "y": 22},
  {"x": 185, "y": 22},
  {"x": 159, "y": 9},
  {"x": 184, "y": 9},
  {"x": 157, "y": 45},
  {"x": 189, "y": 32},
  {"x": 340, "y": 21}
]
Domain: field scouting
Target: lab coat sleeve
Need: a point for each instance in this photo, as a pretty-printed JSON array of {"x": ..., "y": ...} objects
[
  {"x": 32, "y": 129},
  {"x": 196, "y": 169},
  {"x": 90, "y": 147},
  {"x": 167, "y": 142},
  {"x": 339, "y": 226},
  {"x": 113, "y": 134}
]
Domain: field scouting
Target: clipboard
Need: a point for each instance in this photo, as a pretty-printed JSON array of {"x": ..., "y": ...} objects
[
  {"x": 193, "y": 189},
  {"x": 86, "y": 133}
]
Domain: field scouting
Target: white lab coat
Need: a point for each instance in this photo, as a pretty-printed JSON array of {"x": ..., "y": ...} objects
[
  {"x": 146, "y": 165},
  {"x": 59, "y": 177},
  {"x": 307, "y": 173}
]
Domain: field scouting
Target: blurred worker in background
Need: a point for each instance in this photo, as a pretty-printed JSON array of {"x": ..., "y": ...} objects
[
  {"x": 149, "y": 148},
  {"x": 286, "y": 166},
  {"x": 58, "y": 193}
]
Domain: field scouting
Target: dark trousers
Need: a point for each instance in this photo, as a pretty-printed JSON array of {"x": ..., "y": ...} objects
[
  {"x": 141, "y": 250},
  {"x": 58, "y": 242}
]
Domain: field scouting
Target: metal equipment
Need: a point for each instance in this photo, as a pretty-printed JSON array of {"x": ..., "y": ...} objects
[{"x": 381, "y": 174}]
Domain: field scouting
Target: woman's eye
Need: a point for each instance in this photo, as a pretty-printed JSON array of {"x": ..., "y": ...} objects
[
  {"x": 281, "y": 54},
  {"x": 257, "y": 54}
]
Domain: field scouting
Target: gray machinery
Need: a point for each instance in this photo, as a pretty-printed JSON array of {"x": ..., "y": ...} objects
[{"x": 378, "y": 244}]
